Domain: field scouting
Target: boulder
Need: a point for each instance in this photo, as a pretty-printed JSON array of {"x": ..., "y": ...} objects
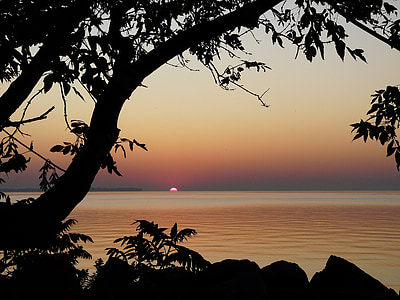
[
  {"x": 231, "y": 280},
  {"x": 341, "y": 279},
  {"x": 286, "y": 280}
]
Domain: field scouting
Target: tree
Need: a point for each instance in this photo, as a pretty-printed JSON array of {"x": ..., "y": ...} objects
[{"x": 110, "y": 47}]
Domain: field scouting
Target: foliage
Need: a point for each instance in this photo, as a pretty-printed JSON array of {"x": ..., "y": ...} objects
[
  {"x": 65, "y": 245},
  {"x": 383, "y": 121},
  {"x": 311, "y": 25},
  {"x": 107, "y": 34},
  {"x": 80, "y": 129},
  {"x": 153, "y": 247},
  {"x": 103, "y": 51}
]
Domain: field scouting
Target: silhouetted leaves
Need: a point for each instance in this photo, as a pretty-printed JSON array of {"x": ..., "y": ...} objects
[
  {"x": 46, "y": 180},
  {"x": 16, "y": 163},
  {"x": 383, "y": 121},
  {"x": 153, "y": 247},
  {"x": 357, "y": 53},
  {"x": 66, "y": 246},
  {"x": 143, "y": 146}
]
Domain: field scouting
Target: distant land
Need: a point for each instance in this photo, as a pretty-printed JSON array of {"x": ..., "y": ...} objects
[{"x": 92, "y": 189}]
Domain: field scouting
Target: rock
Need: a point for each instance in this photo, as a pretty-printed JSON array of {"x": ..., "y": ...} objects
[
  {"x": 174, "y": 283},
  {"x": 231, "y": 279},
  {"x": 286, "y": 280},
  {"x": 341, "y": 279}
]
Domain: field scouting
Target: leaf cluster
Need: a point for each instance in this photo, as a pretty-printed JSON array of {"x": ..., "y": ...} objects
[
  {"x": 10, "y": 158},
  {"x": 233, "y": 74},
  {"x": 80, "y": 129},
  {"x": 383, "y": 121},
  {"x": 24, "y": 26},
  {"x": 313, "y": 24},
  {"x": 48, "y": 176},
  {"x": 66, "y": 245},
  {"x": 153, "y": 247}
]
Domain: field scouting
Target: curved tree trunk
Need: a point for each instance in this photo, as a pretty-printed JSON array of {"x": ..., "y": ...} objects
[{"x": 31, "y": 224}]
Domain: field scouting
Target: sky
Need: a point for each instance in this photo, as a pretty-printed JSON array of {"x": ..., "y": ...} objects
[{"x": 201, "y": 137}]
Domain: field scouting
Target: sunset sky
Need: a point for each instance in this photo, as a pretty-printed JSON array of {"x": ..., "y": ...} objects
[{"x": 201, "y": 137}]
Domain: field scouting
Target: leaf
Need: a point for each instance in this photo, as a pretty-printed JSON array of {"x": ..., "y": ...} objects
[
  {"x": 390, "y": 149},
  {"x": 310, "y": 53},
  {"x": 67, "y": 149},
  {"x": 66, "y": 88},
  {"x": 397, "y": 158},
  {"x": 374, "y": 108},
  {"x": 184, "y": 234},
  {"x": 174, "y": 231},
  {"x": 48, "y": 82},
  {"x": 78, "y": 94},
  {"x": 340, "y": 47},
  {"x": 359, "y": 53},
  {"x": 143, "y": 146},
  {"x": 115, "y": 170},
  {"x": 383, "y": 138},
  {"x": 57, "y": 148},
  {"x": 389, "y": 8}
]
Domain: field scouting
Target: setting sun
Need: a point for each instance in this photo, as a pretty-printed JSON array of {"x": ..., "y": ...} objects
[{"x": 173, "y": 189}]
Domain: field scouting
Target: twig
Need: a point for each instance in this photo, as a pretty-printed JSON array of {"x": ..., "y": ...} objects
[
  {"x": 90, "y": 94},
  {"x": 34, "y": 152},
  {"x": 41, "y": 117},
  {"x": 65, "y": 106},
  {"x": 259, "y": 97}
]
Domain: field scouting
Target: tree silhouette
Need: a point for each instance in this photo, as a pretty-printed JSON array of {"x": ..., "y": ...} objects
[{"x": 107, "y": 48}]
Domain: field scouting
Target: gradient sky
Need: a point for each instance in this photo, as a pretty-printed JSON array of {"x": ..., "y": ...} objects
[{"x": 201, "y": 137}]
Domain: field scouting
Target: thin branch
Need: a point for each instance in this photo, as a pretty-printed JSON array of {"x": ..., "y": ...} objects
[
  {"x": 41, "y": 117},
  {"x": 259, "y": 97},
  {"x": 65, "y": 106},
  {"x": 90, "y": 94},
  {"x": 30, "y": 102},
  {"x": 33, "y": 151}
]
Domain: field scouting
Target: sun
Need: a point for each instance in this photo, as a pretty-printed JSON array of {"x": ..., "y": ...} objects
[{"x": 173, "y": 189}]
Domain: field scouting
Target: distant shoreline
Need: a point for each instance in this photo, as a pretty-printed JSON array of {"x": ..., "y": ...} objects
[{"x": 93, "y": 189}]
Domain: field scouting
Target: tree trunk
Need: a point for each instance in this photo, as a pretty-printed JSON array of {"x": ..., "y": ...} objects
[{"x": 36, "y": 222}]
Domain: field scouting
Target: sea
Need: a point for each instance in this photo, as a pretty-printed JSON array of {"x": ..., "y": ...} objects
[{"x": 301, "y": 227}]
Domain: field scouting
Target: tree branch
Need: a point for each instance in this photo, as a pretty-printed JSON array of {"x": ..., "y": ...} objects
[
  {"x": 393, "y": 44},
  {"x": 20, "y": 89},
  {"x": 246, "y": 16},
  {"x": 33, "y": 151},
  {"x": 38, "y": 118}
]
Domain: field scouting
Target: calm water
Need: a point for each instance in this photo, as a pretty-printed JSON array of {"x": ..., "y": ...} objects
[{"x": 302, "y": 227}]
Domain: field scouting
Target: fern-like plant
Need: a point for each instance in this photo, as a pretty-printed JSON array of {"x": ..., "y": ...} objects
[
  {"x": 65, "y": 245},
  {"x": 154, "y": 248}
]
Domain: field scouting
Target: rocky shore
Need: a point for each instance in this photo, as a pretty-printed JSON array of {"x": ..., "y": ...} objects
[{"x": 245, "y": 280}]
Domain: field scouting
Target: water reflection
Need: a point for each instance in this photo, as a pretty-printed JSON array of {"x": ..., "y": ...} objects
[{"x": 304, "y": 231}]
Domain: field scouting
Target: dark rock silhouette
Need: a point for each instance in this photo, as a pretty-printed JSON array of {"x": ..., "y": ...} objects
[
  {"x": 231, "y": 279},
  {"x": 53, "y": 278},
  {"x": 341, "y": 279},
  {"x": 286, "y": 280}
]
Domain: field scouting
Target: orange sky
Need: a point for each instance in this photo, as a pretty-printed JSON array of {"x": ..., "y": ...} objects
[{"x": 201, "y": 137}]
